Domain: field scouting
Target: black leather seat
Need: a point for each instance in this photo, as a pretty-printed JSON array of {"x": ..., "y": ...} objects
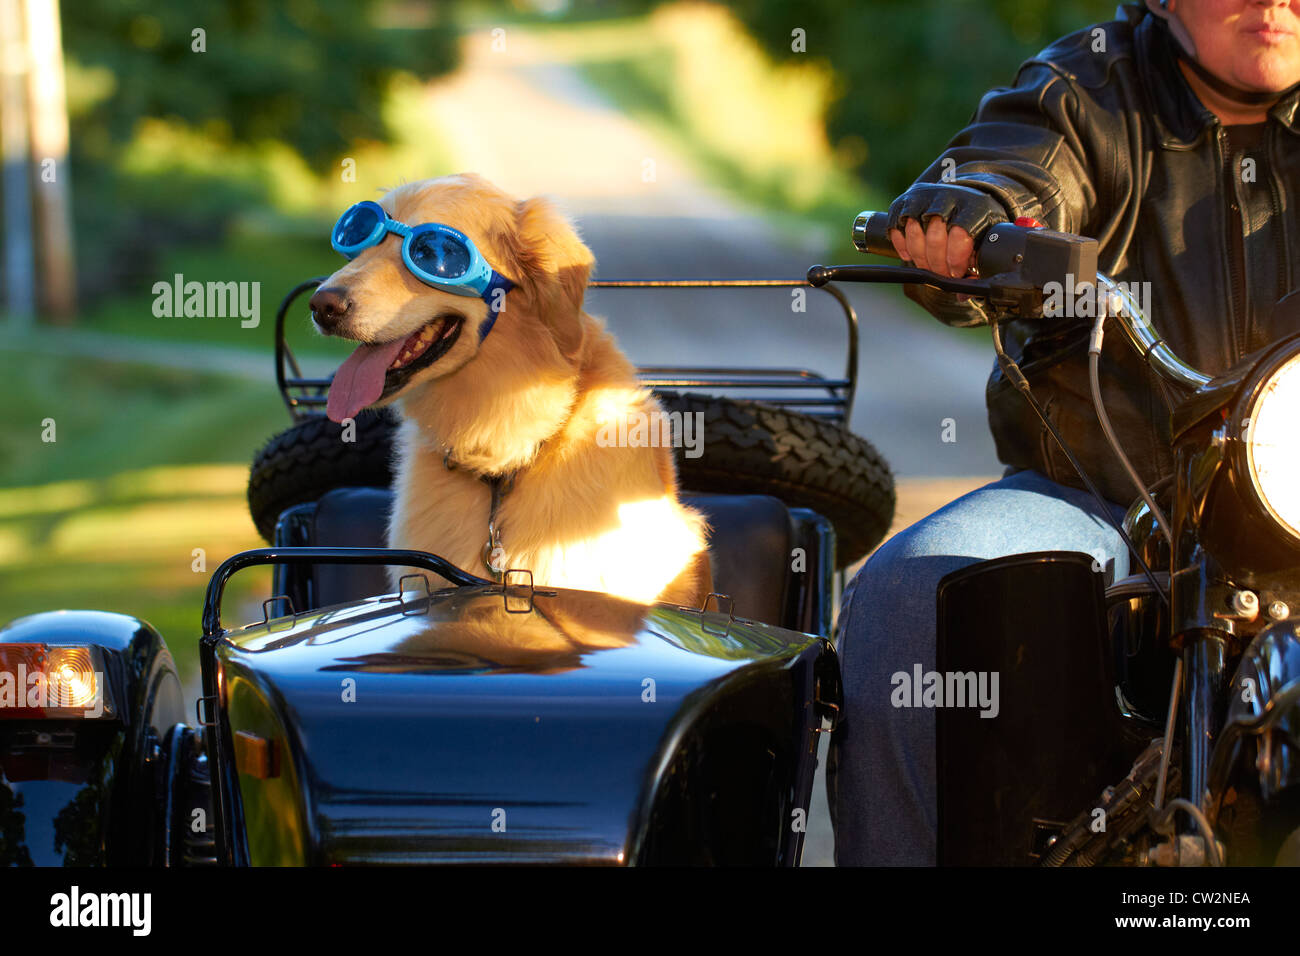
[{"x": 751, "y": 542}]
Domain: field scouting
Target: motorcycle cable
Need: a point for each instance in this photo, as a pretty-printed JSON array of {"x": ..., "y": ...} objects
[
  {"x": 1017, "y": 378},
  {"x": 1171, "y": 719},
  {"x": 1161, "y": 814},
  {"x": 1094, "y": 382}
]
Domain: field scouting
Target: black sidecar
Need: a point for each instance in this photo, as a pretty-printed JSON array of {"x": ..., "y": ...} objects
[{"x": 478, "y": 723}]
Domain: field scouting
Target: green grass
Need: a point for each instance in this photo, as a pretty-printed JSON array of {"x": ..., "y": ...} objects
[
  {"x": 111, "y": 417},
  {"x": 147, "y": 465}
]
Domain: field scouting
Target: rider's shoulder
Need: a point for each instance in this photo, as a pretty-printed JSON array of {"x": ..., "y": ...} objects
[{"x": 1090, "y": 57}]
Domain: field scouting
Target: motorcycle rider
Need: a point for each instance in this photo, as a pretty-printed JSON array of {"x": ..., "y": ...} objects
[{"x": 1170, "y": 134}]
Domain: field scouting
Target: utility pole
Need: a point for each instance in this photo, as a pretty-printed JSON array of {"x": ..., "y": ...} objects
[
  {"x": 49, "y": 156},
  {"x": 19, "y": 286}
]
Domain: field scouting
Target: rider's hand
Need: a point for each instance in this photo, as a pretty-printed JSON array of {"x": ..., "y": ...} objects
[{"x": 937, "y": 248}]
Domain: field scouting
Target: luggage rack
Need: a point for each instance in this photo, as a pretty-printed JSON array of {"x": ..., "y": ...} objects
[{"x": 821, "y": 397}]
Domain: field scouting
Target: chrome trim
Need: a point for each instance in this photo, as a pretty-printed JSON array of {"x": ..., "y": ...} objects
[{"x": 1145, "y": 339}]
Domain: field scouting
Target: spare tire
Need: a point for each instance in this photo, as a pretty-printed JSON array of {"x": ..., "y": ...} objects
[
  {"x": 755, "y": 448},
  {"x": 747, "y": 448},
  {"x": 303, "y": 462}
]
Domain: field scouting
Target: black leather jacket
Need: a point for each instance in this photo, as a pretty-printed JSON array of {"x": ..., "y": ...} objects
[{"x": 1115, "y": 145}]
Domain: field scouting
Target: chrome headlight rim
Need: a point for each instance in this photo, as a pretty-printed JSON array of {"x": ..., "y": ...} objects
[{"x": 1262, "y": 378}]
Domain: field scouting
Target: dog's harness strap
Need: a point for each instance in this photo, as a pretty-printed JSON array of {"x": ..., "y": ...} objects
[{"x": 494, "y": 554}]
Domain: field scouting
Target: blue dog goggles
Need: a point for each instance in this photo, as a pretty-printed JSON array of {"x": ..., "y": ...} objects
[{"x": 437, "y": 255}]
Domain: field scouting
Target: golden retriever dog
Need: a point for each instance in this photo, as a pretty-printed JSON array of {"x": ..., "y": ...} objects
[{"x": 516, "y": 406}]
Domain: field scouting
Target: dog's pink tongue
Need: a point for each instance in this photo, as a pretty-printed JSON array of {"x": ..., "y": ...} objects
[{"x": 360, "y": 380}]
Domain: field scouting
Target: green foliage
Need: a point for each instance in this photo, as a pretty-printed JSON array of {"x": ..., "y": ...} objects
[
  {"x": 278, "y": 261},
  {"x": 125, "y": 222},
  {"x": 912, "y": 71},
  {"x": 97, "y": 405},
  {"x": 311, "y": 73},
  {"x": 173, "y": 133}
]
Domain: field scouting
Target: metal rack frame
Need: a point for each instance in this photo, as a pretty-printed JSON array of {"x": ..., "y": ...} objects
[{"x": 830, "y": 398}]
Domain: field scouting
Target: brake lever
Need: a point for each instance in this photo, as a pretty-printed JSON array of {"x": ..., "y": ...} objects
[
  {"x": 818, "y": 276},
  {"x": 1008, "y": 292}
]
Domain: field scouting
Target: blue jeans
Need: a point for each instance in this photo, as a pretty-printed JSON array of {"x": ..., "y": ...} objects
[{"x": 880, "y": 776}]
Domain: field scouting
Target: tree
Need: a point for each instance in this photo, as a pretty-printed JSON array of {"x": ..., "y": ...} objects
[
  {"x": 309, "y": 74},
  {"x": 912, "y": 71}
]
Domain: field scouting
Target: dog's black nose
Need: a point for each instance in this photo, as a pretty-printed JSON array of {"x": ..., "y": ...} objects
[{"x": 329, "y": 307}]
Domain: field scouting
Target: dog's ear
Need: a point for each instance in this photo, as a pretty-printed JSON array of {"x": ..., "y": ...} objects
[{"x": 555, "y": 266}]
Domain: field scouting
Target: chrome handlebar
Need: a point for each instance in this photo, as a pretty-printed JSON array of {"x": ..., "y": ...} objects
[
  {"x": 1012, "y": 256},
  {"x": 1144, "y": 338}
]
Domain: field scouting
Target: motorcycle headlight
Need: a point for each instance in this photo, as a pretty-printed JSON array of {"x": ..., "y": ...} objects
[{"x": 1273, "y": 444}]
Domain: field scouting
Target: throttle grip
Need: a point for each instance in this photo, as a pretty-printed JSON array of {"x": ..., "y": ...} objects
[
  {"x": 1022, "y": 248},
  {"x": 871, "y": 234}
]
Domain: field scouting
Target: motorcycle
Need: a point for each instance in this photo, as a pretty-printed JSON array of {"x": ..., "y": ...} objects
[
  {"x": 1145, "y": 721},
  {"x": 1150, "y": 720}
]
